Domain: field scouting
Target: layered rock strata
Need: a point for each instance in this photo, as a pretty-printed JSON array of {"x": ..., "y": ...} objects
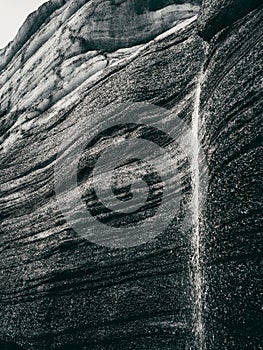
[{"x": 69, "y": 60}]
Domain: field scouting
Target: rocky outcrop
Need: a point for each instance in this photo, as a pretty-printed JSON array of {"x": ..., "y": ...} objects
[
  {"x": 61, "y": 47},
  {"x": 102, "y": 22},
  {"x": 61, "y": 291},
  {"x": 32, "y": 24},
  {"x": 69, "y": 60}
]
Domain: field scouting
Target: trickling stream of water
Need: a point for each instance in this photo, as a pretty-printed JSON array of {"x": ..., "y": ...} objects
[{"x": 197, "y": 274}]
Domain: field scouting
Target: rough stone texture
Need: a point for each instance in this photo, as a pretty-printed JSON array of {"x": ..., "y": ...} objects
[
  {"x": 56, "y": 56},
  {"x": 116, "y": 24},
  {"x": 32, "y": 24},
  {"x": 58, "y": 291},
  {"x": 231, "y": 112},
  {"x": 216, "y": 15}
]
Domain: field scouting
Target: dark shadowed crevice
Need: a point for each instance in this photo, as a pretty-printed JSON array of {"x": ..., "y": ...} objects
[
  {"x": 9, "y": 346},
  {"x": 217, "y": 15}
]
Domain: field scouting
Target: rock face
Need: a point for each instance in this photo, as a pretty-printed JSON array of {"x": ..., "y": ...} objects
[
  {"x": 217, "y": 15},
  {"x": 64, "y": 46},
  {"x": 69, "y": 60},
  {"x": 231, "y": 117}
]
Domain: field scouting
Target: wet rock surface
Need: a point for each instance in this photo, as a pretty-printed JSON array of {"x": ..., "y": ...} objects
[{"x": 61, "y": 291}]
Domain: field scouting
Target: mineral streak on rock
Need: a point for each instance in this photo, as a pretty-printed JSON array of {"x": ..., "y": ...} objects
[{"x": 70, "y": 58}]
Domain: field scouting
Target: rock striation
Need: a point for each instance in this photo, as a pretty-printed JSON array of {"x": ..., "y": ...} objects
[
  {"x": 217, "y": 15},
  {"x": 73, "y": 58},
  {"x": 63, "y": 45},
  {"x": 231, "y": 118}
]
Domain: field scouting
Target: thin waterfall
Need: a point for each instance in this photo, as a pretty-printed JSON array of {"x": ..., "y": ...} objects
[{"x": 196, "y": 268}]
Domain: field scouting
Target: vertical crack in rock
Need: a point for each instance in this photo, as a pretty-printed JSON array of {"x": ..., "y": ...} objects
[{"x": 197, "y": 274}]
